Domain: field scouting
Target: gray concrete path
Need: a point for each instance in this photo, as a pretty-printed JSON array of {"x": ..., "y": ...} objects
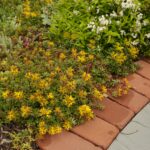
[{"x": 136, "y": 135}]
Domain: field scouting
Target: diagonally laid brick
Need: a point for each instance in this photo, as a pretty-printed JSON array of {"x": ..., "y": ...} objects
[
  {"x": 65, "y": 141},
  {"x": 144, "y": 69},
  {"x": 133, "y": 100},
  {"x": 98, "y": 132},
  {"x": 115, "y": 113},
  {"x": 140, "y": 84}
]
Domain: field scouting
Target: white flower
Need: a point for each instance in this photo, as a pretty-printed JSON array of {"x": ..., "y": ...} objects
[
  {"x": 134, "y": 35},
  {"x": 75, "y": 12},
  {"x": 103, "y": 20},
  {"x": 100, "y": 29},
  {"x": 97, "y": 11},
  {"x": 147, "y": 35},
  {"x": 134, "y": 43},
  {"x": 113, "y": 14},
  {"x": 140, "y": 16},
  {"x": 127, "y": 4},
  {"x": 123, "y": 32},
  {"x": 121, "y": 13},
  {"x": 145, "y": 22}
]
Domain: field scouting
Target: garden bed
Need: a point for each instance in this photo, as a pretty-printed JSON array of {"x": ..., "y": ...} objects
[{"x": 60, "y": 59}]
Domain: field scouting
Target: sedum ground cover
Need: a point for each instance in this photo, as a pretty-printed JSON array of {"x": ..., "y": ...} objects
[{"x": 59, "y": 59}]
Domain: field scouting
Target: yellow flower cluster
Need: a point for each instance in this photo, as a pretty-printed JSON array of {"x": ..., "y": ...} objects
[
  {"x": 27, "y": 10},
  {"x": 120, "y": 58},
  {"x": 86, "y": 111},
  {"x": 11, "y": 115},
  {"x": 32, "y": 76},
  {"x": 54, "y": 130},
  {"x": 5, "y": 94},
  {"x": 18, "y": 95},
  {"x": 14, "y": 70},
  {"x": 82, "y": 94},
  {"x": 25, "y": 111},
  {"x": 45, "y": 112},
  {"x": 86, "y": 76},
  {"x": 42, "y": 128},
  {"x": 97, "y": 94},
  {"x": 69, "y": 101},
  {"x": 134, "y": 52},
  {"x": 67, "y": 125}
]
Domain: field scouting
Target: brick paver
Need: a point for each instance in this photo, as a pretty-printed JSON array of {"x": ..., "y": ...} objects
[
  {"x": 144, "y": 69},
  {"x": 98, "y": 132},
  {"x": 115, "y": 114},
  {"x": 140, "y": 84},
  {"x": 66, "y": 141},
  {"x": 133, "y": 100}
]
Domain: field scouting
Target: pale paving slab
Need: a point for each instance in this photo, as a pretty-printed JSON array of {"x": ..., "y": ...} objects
[{"x": 136, "y": 136}]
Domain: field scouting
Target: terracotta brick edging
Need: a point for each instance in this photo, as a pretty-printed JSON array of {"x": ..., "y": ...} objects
[{"x": 100, "y": 132}]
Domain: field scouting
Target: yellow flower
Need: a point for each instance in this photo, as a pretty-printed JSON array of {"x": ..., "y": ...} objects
[
  {"x": 62, "y": 56},
  {"x": 48, "y": 1},
  {"x": 57, "y": 110},
  {"x": 14, "y": 70},
  {"x": 67, "y": 125},
  {"x": 66, "y": 35},
  {"x": 74, "y": 53},
  {"x": 82, "y": 53},
  {"x": 118, "y": 47},
  {"x": 86, "y": 76},
  {"x": 58, "y": 69},
  {"x": 97, "y": 94},
  {"x": 18, "y": 95},
  {"x": 104, "y": 89},
  {"x": 134, "y": 51},
  {"x": 71, "y": 85},
  {"x": 25, "y": 111},
  {"x": 62, "y": 90},
  {"x": 5, "y": 94},
  {"x": 55, "y": 130},
  {"x": 11, "y": 115},
  {"x": 50, "y": 43},
  {"x": 70, "y": 71},
  {"x": 43, "y": 84},
  {"x": 119, "y": 57},
  {"x": 35, "y": 76},
  {"x": 69, "y": 101},
  {"x": 63, "y": 78},
  {"x": 45, "y": 112},
  {"x": 91, "y": 57},
  {"x": 82, "y": 94},
  {"x": 81, "y": 59},
  {"x": 86, "y": 111},
  {"x": 42, "y": 128},
  {"x": 42, "y": 100},
  {"x": 50, "y": 96}
]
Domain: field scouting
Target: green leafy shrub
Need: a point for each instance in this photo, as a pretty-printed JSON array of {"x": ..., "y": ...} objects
[{"x": 113, "y": 29}]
